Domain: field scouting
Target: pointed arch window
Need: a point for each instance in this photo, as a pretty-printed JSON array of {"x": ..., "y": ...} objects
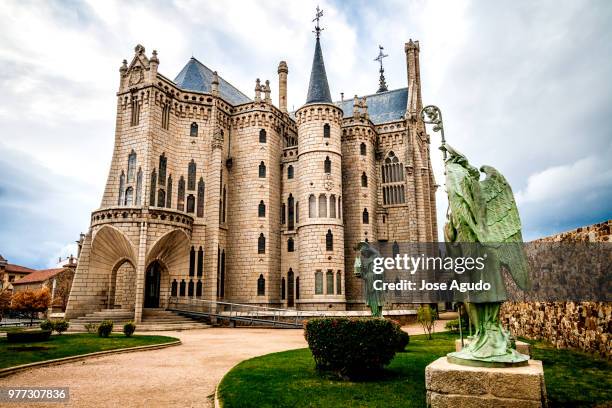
[
  {"x": 180, "y": 202},
  {"x": 329, "y": 241},
  {"x": 121, "y": 199},
  {"x": 392, "y": 175},
  {"x": 326, "y": 130},
  {"x": 161, "y": 197},
  {"x": 322, "y": 206},
  {"x": 297, "y": 287},
  {"x": 339, "y": 283},
  {"x": 283, "y": 289},
  {"x": 138, "y": 187},
  {"x": 283, "y": 213},
  {"x": 169, "y": 193},
  {"x": 312, "y": 206},
  {"x": 290, "y": 212},
  {"x": 290, "y": 245},
  {"x": 327, "y": 165},
  {"x": 262, "y": 170},
  {"x": 290, "y": 172},
  {"x": 200, "y": 268},
  {"x": 166, "y": 116},
  {"x": 191, "y": 175},
  {"x": 329, "y": 282},
  {"x": 190, "y": 203},
  {"x": 364, "y": 180},
  {"x": 199, "y": 288},
  {"x": 261, "y": 210},
  {"x": 174, "y": 288},
  {"x": 192, "y": 260},
  {"x": 182, "y": 287},
  {"x": 135, "y": 118},
  {"x": 153, "y": 188},
  {"x": 193, "y": 130},
  {"x": 261, "y": 244},
  {"x": 262, "y": 136},
  {"x": 318, "y": 283},
  {"x": 131, "y": 171},
  {"x": 261, "y": 286},
  {"x": 297, "y": 213},
  {"x": 129, "y": 195},
  {"x": 200, "y": 212},
  {"x": 363, "y": 149},
  {"x": 163, "y": 162},
  {"x": 365, "y": 216},
  {"x": 332, "y": 206},
  {"x": 190, "y": 288}
]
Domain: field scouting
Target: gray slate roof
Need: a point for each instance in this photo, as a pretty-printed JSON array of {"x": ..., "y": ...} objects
[
  {"x": 318, "y": 88},
  {"x": 382, "y": 107},
  {"x": 196, "y": 76}
]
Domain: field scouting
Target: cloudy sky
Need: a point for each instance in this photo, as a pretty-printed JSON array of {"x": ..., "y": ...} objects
[{"x": 524, "y": 86}]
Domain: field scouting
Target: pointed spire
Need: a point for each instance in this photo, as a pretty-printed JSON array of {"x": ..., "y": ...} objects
[
  {"x": 318, "y": 89},
  {"x": 382, "y": 84}
]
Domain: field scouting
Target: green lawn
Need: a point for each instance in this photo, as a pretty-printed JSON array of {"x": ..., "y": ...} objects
[
  {"x": 289, "y": 379},
  {"x": 12, "y": 354}
]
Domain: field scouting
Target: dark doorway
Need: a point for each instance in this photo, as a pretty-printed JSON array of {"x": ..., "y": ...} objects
[
  {"x": 290, "y": 281},
  {"x": 152, "y": 281}
]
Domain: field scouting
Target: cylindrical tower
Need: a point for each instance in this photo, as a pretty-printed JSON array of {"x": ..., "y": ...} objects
[
  {"x": 319, "y": 185},
  {"x": 283, "y": 70}
]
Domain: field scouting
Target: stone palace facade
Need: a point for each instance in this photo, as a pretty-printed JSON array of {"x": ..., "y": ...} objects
[{"x": 214, "y": 195}]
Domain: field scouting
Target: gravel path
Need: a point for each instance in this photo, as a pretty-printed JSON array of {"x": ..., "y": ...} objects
[{"x": 180, "y": 376}]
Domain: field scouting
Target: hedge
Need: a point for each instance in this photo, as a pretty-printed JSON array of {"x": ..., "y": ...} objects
[
  {"x": 354, "y": 347},
  {"x": 28, "y": 336}
]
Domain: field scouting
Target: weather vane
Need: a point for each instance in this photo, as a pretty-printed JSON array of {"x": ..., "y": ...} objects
[
  {"x": 318, "y": 29},
  {"x": 382, "y": 87}
]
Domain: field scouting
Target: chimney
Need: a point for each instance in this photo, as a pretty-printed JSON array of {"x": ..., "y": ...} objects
[
  {"x": 214, "y": 85},
  {"x": 283, "y": 70}
]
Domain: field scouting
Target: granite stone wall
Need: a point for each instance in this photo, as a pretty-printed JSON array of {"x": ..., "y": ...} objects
[{"x": 581, "y": 325}]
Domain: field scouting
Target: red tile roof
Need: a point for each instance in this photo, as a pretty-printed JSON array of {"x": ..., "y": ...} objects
[
  {"x": 38, "y": 276},
  {"x": 18, "y": 268}
]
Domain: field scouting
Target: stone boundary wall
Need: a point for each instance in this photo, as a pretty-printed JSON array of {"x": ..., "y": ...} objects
[{"x": 581, "y": 325}]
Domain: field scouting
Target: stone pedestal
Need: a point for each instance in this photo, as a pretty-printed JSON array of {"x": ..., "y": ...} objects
[
  {"x": 451, "y": 385},
  {"x": 521, "y": 346}
]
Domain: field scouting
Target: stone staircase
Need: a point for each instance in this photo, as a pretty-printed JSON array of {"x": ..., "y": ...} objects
[{"x": 152, "y": 320}]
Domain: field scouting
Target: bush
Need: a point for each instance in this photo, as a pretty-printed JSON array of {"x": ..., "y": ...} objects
[
  {"x": 129, "y": 328},
  {"x": 46, "y": 325},
  {"x": 453, "y": 325},
  {"x": 402, "y": 341},
  {"x": 91, "y": 327},
  {"x": 105, "y": 328},
  {"x": 28, "y": 336},
  {"x": 426, "y": 316},
  {"x": 60, "y": 326},
  {"x": 352, "y": 347}
]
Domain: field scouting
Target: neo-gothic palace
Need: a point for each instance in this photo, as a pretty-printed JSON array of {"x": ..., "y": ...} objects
[{"x": 217, "y": 196}]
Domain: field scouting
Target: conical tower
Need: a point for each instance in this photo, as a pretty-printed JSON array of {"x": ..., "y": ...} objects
[{"x": 321, "y": 230}]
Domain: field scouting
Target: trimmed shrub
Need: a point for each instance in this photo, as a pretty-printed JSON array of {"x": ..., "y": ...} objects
[
  {"x": 129, "y": 328},
  {"x": 60, "y": 326},
  {"x": 28, "y": 336},
  {"x": 402, "y": 341},
  {"x": 46, "y": 325},
  {"x": 91, "y": 327},
  {"x": 105, "y": 328},
  {"x": 352, "y": 347},
  {"x": 453, "y": 325}
]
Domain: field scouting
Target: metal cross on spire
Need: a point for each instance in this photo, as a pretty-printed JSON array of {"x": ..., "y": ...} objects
[
  {"x": 382, "y": 84},
  {"x": 318, "y": 29}
]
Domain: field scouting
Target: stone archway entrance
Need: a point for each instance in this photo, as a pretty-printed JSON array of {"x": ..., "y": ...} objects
[{"x": 152, "y": 285}]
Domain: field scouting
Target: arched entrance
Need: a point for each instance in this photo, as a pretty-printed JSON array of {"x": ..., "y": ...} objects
[
  {"x": 152, "y": 285},
  {"x": 290, "y": 297}
]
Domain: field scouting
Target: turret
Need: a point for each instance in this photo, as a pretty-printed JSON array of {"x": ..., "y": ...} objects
[{"x": 283, "y": 70}]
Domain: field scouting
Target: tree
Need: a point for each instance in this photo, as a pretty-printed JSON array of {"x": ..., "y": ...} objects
[
  {"x": 32, "y": 301},
  {"x": 5, "y": 301},
  {"x": 427, "y": 317}
]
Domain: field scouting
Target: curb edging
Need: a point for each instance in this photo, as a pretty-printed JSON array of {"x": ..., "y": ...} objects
[{"x": 4, "y": 372}]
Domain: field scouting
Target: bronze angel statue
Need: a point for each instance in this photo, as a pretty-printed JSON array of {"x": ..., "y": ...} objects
[{"x": 483, "y": 219}]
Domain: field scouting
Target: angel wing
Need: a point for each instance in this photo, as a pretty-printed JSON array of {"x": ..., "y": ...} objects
[{"x": 503, "y": 225}]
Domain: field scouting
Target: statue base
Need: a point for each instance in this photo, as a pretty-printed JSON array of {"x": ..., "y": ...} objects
[
  {"x": 511, "y": 359},
  {"x": 450, "y": 385},
  {"x": 521, "y": 346}
]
